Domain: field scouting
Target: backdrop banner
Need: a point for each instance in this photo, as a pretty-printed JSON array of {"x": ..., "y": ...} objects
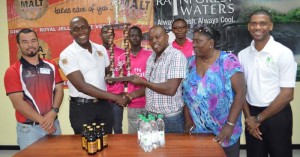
[
  {"x": 50, "y": 19},
  {"x": 230, "y": 18}
]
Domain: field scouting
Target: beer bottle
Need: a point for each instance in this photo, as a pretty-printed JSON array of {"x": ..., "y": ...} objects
[
  {"x": 83, "y": 136},
  {"x": 105, "y": 136},
  {"x": 94, "y": 126},
  {"x": 91, "y": 143},
  {"x": 99, "y": 138}
]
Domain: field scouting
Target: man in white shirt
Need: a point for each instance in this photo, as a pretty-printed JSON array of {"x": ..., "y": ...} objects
[
  {"x": 270, "y": 72},
  {"x": 84, "y": 63}
]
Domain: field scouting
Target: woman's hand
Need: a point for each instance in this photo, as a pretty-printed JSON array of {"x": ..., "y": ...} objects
[{"x": 225, "y": 134}]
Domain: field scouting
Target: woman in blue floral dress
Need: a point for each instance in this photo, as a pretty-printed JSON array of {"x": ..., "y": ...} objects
[{"x": 214, "y": 92}]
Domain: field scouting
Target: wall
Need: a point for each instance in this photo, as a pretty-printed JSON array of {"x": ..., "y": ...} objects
[{"x": 8, "y": 122}]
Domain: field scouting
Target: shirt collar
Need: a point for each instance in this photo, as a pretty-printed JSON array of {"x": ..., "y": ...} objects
[
  {"x": 25, "y": 63},
  {"x": 78, "y": 48},
  {"x": 164, "y": 53},
  {"x": 268, "y": 47}
]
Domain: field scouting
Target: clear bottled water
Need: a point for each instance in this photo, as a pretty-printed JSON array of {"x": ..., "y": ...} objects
[
  {"x": 151, "y": 132},
  {"x": 161, "y": 130}
]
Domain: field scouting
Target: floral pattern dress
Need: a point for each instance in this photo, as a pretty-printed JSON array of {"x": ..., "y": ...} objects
[{"x": 209, "y": 98}]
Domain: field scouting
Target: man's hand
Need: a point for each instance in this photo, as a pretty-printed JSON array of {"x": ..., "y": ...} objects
[
  {"x": 253, "y": 127},
  {"x": 119, "y": 99},
  {"x": 137, "y": 80},
  {"x": 48, "y": 120}
]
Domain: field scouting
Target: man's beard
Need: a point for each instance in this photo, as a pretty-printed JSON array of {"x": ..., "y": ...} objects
[{"x": 30, "y": 54}]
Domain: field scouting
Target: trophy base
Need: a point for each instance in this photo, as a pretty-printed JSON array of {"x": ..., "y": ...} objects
[{"x": 118, "y": 79}]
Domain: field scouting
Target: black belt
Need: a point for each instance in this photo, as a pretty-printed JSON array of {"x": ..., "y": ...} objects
[
  {"x": 31, "y": 123},
  {"x": 83, "y": 100}
]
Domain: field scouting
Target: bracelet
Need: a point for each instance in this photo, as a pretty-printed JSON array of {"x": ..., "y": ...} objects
[
  {"x": 133, "y": 95},
  {"x": 229, "y": 123},
  {"x": 129, "y": 96}
]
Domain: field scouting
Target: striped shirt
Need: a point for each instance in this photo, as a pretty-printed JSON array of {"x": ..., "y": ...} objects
[{"x": 170, "y": 65}]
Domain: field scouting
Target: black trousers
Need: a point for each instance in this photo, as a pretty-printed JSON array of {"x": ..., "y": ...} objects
[
  {"x": 87, "y": 113},
  {"x": 276, "y": 135}
]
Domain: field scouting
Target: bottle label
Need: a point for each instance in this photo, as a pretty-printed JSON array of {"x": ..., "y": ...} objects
[
  {"x": 105, "y": 138},
  {"x": 83, "y": 142},
  {"x": 99, "y": 144},
  {"x": 92, "y": 147}
]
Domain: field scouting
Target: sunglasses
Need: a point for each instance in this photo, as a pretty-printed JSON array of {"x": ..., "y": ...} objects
[{"x": 204, "y": 30}]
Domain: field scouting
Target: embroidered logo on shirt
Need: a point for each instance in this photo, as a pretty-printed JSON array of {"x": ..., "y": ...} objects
[
  {"x": 100, "y": 53},
  {"x": 65, "y": 61},
  {"x": 29, "y": 74}
]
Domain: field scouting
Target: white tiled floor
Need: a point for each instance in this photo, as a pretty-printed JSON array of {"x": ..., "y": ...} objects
[{"x": 9, "y": 153}]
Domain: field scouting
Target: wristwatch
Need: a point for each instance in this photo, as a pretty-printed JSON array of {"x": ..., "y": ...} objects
[
  {"x": 55, "y": 109},
  {"x": 258, "y": 119}
]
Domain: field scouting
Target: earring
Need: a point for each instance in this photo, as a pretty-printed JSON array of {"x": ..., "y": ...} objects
[{"x": 210, "y": 46}]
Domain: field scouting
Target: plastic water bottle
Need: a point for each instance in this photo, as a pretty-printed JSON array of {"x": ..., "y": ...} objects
[
  {"x": 139, "y": 128},
  {"x": 161, "y": 130},
  {"x": 147, "y": 140},
  {"x": 154, "y": 132}
]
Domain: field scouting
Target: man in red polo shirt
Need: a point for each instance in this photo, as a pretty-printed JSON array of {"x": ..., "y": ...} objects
[
  {"x": 34, "y": 87},
  {"x": 182, "y": 43}
]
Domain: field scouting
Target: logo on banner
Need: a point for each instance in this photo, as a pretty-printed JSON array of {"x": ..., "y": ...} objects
[{"x": 31, "y": 9}]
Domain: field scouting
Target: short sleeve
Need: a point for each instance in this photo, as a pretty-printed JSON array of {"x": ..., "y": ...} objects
[
  {"x": 287, "y": 69},
  {"x": 68, "y": 62},
  {"x": 232, "y": 65},
  {"x": 58, "y": 78},
  {"x": 12, "y": 81}
]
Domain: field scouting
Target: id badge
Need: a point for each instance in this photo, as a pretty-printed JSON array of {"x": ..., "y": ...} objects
[{"x": 44, "y": 71}]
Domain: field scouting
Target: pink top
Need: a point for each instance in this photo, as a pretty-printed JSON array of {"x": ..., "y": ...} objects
[
  {"x": 186, "y": 48},
  {"x": 138, "y": 67},
  {"x": 119, "y": 59}
]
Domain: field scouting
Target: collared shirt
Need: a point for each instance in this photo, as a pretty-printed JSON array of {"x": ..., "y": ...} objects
[
  {"x": 171, "y": 64},
  {"x": 186, "y": 48},
  {"x": 91, "y": 65},
  {"x": 138, "y": 67},
  {"x": 37, "y": 82},
  {"x": 119, "y": 62},
  {"x": 266, "y": 71}
]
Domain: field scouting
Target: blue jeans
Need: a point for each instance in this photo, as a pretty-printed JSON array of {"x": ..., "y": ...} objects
[
  {"x": 28, "y": 134},
  {"x": 118, "y": 118},
  {"x": 174, "y": 124}
]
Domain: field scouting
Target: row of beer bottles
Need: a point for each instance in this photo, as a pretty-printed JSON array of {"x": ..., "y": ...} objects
[{"x": 94, "y": 138}]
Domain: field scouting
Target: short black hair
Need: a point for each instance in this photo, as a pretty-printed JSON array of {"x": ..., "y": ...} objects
[
  {"x": 25, "y": 31},
  {"x": 259, "y": 12},
  {"x": 179, "y": 19},
  {"x": 136, "y": 28},
  {"x": 107, "y": 27}
]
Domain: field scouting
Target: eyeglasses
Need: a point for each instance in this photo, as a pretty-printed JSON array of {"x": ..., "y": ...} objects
[
  {"x": 78, "y": 29},
  {"x": 179, "y": 27},
  {"x": 205, "y": 30}
]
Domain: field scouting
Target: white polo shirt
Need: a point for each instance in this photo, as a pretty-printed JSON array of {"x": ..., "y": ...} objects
[
  {"x": 266, "y": 71},
  {"x": 91, "y": 65}
]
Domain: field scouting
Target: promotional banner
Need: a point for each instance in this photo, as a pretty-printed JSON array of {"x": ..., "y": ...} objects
[
  {"x": 50, "y": 19},
  {"x": 230, "y": 18}
]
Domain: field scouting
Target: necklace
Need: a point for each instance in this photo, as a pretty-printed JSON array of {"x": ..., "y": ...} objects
[{"x": 211, "y": 60}]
